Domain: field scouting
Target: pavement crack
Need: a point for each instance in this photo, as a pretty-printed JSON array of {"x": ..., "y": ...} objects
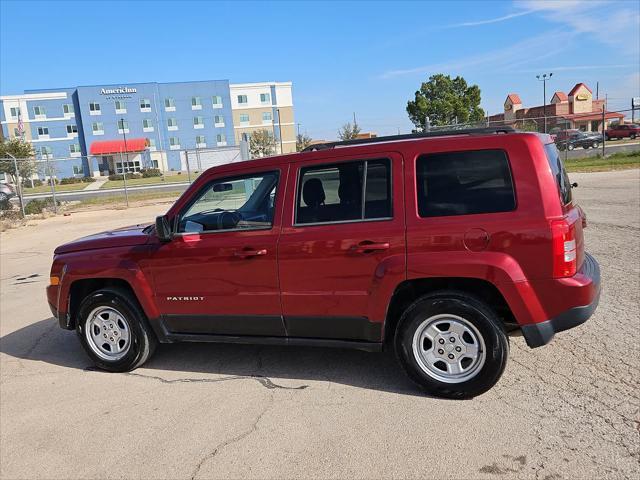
[
  {"x": 211, "y": 455},
  {"x": 264, "y": 381}
]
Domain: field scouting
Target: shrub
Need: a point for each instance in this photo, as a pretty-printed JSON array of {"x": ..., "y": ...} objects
[
  {"x": 38, "y": 206},
  {"x": 5, "y": 204},
  {"x": 151, "y": 172},
  {"x": 120, "y": 177},
  {"x": 87, "y": 179},
  {"x": 36, "y": 183},
  {"x": 70, "y": 180}
]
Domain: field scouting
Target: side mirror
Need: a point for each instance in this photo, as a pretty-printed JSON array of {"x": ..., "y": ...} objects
[{"x": 163, "y": 230}]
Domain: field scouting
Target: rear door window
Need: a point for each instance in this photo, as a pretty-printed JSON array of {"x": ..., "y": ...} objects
[
  {"x": 559, "y": 172},
  {"x": 344, "y": 192},
  {"x": 464, "y": 183}
]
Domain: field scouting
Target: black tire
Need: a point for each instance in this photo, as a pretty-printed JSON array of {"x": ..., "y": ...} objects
[
  {"x": 142, "y": 340},
  {"x": 473, "y": 311},
  {"x": 632, "y": 136},
  {"x": 595, "y": 144},
  {"x": 570, "y": 147},
  {"x": 4, "y": 197}
]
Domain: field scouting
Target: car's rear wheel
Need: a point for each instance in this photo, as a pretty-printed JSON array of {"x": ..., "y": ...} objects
[
  {"x": 632, "y": 136},
  {"x": 452, "y": 345},
  {"x": 114, "y": 331},
  {"x": 570, "y": 147},
  {"x": 595, "y": 144}
]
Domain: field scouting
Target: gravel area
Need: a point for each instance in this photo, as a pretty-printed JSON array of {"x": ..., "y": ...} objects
[{"x": 567, "y": 410}]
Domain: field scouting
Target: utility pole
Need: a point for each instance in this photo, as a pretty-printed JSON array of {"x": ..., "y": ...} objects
[
  {"x": 126, "y": 164},
  {"x": 298, "y": 125},
  {"x": 354, "y": 119},
  {"x": 597, "y": 90},
  {"x": 603, "y": 135},
  {"x": 543, "y": 78},
  {"x": 280, "y": 130}
]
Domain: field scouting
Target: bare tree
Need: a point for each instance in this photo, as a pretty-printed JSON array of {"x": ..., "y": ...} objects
[
  {"x": 349, "y": 131},
  {"x": 261, "y": 144},
  {"x": 302, "y": 141}
]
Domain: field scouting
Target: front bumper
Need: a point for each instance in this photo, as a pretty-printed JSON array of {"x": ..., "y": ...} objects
[{"x": 538, "y": 334}]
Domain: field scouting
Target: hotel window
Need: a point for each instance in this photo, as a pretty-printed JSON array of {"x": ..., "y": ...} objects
[
  {"x": 265, "y": 98},
  {"x": 216, "y": 101},
  {"x": 266, "y": 117},
  {"x": 97, "y": 128},
  {"x": 218, "y": 120},
  {"x": 74, "y": 148},
  {"x": 42, "y": 131},
  {"x": 201, "y": 141},
  {"x": 67, "y": 109},
  {"x": 45, "y": 151},
  {"x": 174, "y": 143},
  {"x": 145, "y": 105},
  {"x": 15, "y": 112},
  {"x": 172, "y": 124},
  {"x": 196, "y": 103},
  {"x": 71, "y": 129},
  {"x": 77, "y": 169},
  {"x": 221, "y": 139},
  {"x": 198, "y": 122},
  {"x": 242, "y": 99},
  {"x": 123, "y": 126},
  {"x": 94, "y": 108},
  {"x": 147, "y": 125},
  {"x": 121, "y": 107},
  {"x": 169, "y": 104},
  {"x": 152, "y": 145},
  {"x": 244, "y": 118},
  {"x": 39, "y": 111}
]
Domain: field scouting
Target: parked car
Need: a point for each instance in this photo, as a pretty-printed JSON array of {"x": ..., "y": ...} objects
[
  {"x": 437, "y": 244},
  {"x": 626, "y": 130},
  {"x": 580, "y": 139},
  {"x": 6, "y": 192}
]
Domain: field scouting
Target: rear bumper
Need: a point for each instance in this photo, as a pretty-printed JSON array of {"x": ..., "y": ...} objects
[{"x": 538, "y": 334}]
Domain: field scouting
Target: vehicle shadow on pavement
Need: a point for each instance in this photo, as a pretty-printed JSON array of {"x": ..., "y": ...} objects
[{"x": 44, "y": 341}]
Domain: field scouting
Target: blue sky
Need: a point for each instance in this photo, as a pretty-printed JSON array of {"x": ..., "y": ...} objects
[{"x": 362, "y": 57}]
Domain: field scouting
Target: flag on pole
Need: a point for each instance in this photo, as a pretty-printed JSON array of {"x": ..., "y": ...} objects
[{"x": 20, "y": 126}]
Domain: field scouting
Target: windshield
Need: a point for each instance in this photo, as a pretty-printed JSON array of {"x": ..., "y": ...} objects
[{"x": 559, "y": 172}]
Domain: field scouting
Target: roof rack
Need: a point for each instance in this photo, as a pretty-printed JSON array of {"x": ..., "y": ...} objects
[{"x": 410, "y": 136}]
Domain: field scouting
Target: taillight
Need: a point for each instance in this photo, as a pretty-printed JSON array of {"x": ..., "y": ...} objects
[{"x": 564, "y": 249}]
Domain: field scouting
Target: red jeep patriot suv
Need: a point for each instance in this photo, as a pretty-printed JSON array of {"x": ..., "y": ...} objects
[{"x": 439, "y": 244}]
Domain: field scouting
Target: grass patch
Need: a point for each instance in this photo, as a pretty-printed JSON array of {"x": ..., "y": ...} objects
[
  {"x": 618, "y": 161},
  {"x": 59, "y": 188},
  {"x": 112, "y": 200},
  {"x": 133, "y": 182}
]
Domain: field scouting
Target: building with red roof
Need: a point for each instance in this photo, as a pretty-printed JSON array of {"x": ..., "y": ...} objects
[{"x": 578, "y": 110}]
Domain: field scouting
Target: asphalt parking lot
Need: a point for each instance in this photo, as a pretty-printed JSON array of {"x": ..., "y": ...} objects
[{"x": 567, "y": 410}]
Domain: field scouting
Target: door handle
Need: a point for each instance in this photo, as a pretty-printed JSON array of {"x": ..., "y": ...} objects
[
  {"x": 367, "y": 247},
  {"x": 248, "y": 252}
]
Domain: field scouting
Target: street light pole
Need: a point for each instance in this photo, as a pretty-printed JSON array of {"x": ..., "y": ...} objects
[{"x": 543, "y": 78}]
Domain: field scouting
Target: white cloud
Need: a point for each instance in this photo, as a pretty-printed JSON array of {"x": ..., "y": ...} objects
[
  {"x": 547, "y": 45},
  {"x": 492, "y": 20}
]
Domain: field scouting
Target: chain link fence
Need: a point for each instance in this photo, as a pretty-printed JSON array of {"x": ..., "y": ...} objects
[{"x": 39, "y": 184}]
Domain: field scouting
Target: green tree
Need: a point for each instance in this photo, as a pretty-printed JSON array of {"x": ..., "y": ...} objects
[
  {"x": 302, "y": 141},
  {"x": 261, "y": 144},
  {"x": 445, "y": 101},
  {"x": 23, "y": 151},
  {"x": 349, "y": 131}
]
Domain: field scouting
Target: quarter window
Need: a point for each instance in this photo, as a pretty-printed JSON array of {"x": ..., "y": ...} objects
[
  {"x": 238, "y": 203},
  {"x": 344, "y": 192},
  {"x": 464, "y": 183}
]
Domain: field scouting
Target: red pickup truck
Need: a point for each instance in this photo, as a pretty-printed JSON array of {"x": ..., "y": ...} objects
[
  {"x": 625, "y": 130},
  {"x": 438, "y": 245}
]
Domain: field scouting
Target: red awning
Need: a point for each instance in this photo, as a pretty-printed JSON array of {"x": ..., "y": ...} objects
[{"x": 108, "y": 147}]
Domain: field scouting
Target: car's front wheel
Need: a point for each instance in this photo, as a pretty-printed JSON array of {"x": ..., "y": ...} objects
[
  {"x": 570, "y": 147},
  {"x": 452, "y": 345},
  {"x": 114, "y": 330}
]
